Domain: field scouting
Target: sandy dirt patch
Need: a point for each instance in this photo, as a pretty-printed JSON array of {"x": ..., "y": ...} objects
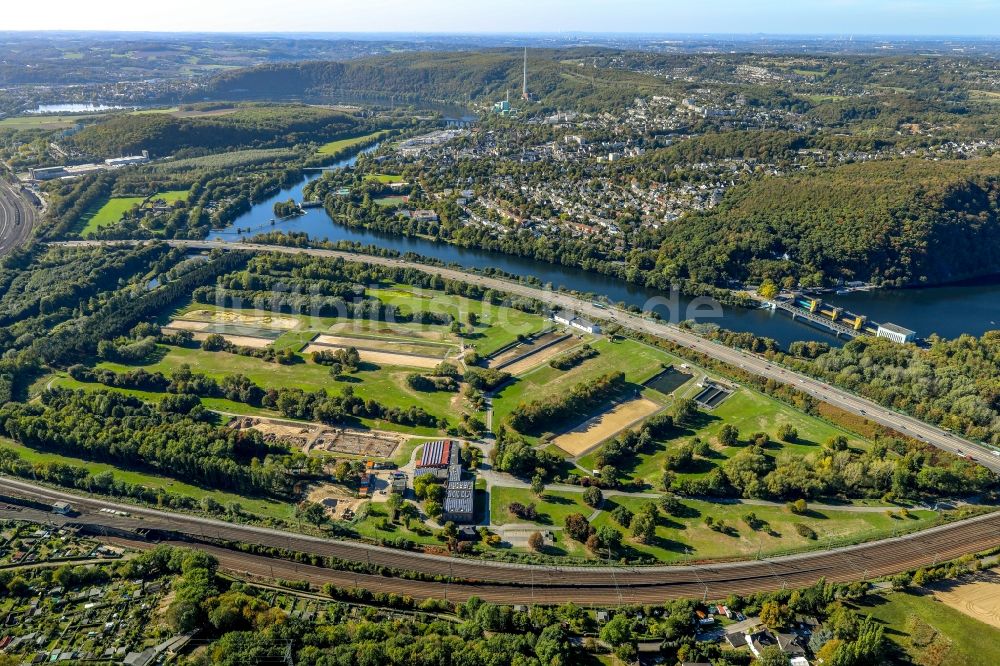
[
  {"x": 338, "y": 502},
  {"x": 185, "y": 325},
  {"x": 531, "y": 362},
  {"x": 413, "y": 346},
  {"x": 238, "y": 340},
  {"x": 381, "y": 358},
  {"x": 523, "y": 348},
  {"x": 979, "y": 598},
  {"x": 307, "y": 436},
  {"x": 241, "y": 318},
  {"x": 367, "y": 326},
  {"x": 589, "y": 434}
]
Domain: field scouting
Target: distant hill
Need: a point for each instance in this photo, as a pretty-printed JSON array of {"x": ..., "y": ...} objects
[
  {"x": 555, "y": 77},
  {"x": 258, "y": 126},
  {"x": 902, "y": 222}
]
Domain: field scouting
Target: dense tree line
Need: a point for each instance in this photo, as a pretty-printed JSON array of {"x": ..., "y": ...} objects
[
  {"x": 261, "y": 126},
  {"x": 954, "y": 383},
  {"x": 898, "y": 222},
  {"x": 537, "y": 416},
  {"x": 123, "y": 430}
]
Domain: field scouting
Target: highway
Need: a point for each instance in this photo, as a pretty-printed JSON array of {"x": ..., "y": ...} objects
[
  {"x": 849, "y": 402},
  {"x": 17, "y": 217},
  {"x": 507, "y": 582}
]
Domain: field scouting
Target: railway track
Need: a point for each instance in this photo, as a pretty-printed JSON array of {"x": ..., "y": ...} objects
[
  {"x": 514, "y": 583},
  {"x": 17, "y": 217}
]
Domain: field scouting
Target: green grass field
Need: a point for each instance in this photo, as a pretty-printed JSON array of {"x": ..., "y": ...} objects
[
  {"x": 930, "y": 632},
  {"x": 112, "y": 210},
  {"x": 639, "y": 362},
  {"x": 385, "y": 384},
  {"x": 750, "y": 412},
  {"x": 385, "y": 178},
  {"x": 498, "y": 326},
  {"x": 687, "y": 537},
  {"x": 389, "y": 202},
  {"x": 334, "y": 147},
  {"x": 260, "y": 506}
]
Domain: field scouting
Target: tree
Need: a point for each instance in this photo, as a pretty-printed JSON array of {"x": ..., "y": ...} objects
[
  {"x": 577, "y": 527},
  {"x": 729, "y": 435},
  {"x": 593, "y": 496},
  {"x": 553, "y": 647},
  {"x": 787, "y": 433},
  {"x": 537, "y": 485},
  {"x": 536, "y": 542},
  {"x": 643, "y": 527},
  {"x": 618, "y": 631},
  {"x": 774, "y": 615},
  {"x": 771, "y": 656},
  {"x": 768, "y": 289},
  {"x": 311, "y": 512},
  {"x": 622, "y": 515}
]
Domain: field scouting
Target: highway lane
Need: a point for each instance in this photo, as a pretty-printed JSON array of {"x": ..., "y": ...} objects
[
  {"x": 849, "y": 402},
  {"x": 511, "y": 582},
  {"x": 17, "y": 217}
]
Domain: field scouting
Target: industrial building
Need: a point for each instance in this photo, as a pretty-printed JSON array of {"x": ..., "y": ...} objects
[
  {"x": 441, "y": 458},
  {"x": 896, "y": 333},
  {"x": 570, "y": 319}
]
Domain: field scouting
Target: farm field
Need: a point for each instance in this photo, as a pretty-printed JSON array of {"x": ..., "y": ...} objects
[
  {"x": 113, "y": 209},
  {"x": 334, "y": 147},
  {"x": 688, "y": 537},
  {"x": 931, "y": 632}
]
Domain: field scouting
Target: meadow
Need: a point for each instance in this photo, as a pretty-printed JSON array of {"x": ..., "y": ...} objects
[{"x": 111, "y": 212}]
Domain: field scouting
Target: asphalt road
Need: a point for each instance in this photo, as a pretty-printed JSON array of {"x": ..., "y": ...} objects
[
  {"x": 513, "y": 583},
  {"x": 17, "y": 217},
  {"x": 849, "y": 402}
]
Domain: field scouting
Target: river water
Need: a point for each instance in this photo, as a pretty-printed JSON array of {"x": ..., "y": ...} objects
[{"x": 947, "y": 311}]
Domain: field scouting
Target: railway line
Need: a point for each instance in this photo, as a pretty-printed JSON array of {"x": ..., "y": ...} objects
[
  {"x": 17, "y": 217},
  {"x": 508, "y": 582}
]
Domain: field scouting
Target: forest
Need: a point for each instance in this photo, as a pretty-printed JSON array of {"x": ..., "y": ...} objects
[
  {"x": 252, "y": 126},
  {"x": 895, "y": 223}
]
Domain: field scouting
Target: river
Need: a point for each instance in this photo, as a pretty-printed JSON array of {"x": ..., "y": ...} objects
[{"x": 947, "y": 311}]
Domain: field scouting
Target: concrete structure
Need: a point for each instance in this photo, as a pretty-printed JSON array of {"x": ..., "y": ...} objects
[
  {"x": 116, "y": 162},
  {"x": 896, "y": 333},
  {"x": 397, "y": 482},
  {"x": 442, "y": 459},
  {"x": 458, "y": 501},
  {"x": 63, "y": 508},
  {"x": 570, "y": 319}
]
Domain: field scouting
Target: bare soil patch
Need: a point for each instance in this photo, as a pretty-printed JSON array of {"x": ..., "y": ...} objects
[
  {"x": 337, "y": 500},
  {"x": 979, "y": 598},
  {"x": 380, "y": 358},
  {"x": 592, "y": 432},
  {"x": 308, "y": 436},
  {"x": 412, "y": 346},
  {"x": 531, "y": 362},
  {"x": 523, "y": 348},
  {"x": 238, "y": 340},
  {"x": 242, "y": 318}
]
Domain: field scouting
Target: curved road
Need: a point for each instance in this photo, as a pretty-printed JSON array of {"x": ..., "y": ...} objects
[
  {"x": 849, "y": 402},
  {"x": 517, "y": 583},
  {"x": 17, "y": 217}
]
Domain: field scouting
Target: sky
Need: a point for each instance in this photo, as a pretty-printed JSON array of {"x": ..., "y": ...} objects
[{"x": 827, "y": 17}]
